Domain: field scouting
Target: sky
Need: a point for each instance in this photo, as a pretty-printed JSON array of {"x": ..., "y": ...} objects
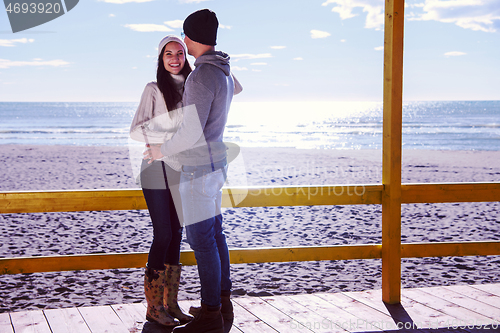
[{"x": 310, "y": 50}]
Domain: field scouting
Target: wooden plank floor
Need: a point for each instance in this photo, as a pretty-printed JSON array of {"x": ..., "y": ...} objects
[{"x": 473, "y": 308}]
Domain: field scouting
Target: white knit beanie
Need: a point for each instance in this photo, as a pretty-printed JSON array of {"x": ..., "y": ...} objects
[{"x": 171, "y": 38}]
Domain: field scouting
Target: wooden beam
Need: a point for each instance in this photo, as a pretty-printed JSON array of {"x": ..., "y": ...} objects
[
  {"x": 129, "y": 199},
  {"x": 248, "y": 255},
  {"x": 72, "y": 262},
  {"x": 450, "y": 192},
  {"x": 305, "y": 253},
  {"x": 450, "y": 249},
  {"x": 305, "y": 195},
  {"x": 238, "y": 256},
  {"x": 391, "y": 159},
  {"x": 71, "y": 201}
]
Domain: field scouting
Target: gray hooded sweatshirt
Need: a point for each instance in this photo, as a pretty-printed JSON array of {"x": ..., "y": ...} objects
[{"x": 208, "y": 93}]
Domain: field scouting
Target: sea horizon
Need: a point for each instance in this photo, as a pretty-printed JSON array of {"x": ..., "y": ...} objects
[{"x": 434, "y": 125}]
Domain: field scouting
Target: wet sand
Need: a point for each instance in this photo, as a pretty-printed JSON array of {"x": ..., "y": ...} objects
[{"x": 28, "y": 168}]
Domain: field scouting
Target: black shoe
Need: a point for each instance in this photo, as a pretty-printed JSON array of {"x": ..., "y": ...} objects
[{"x": 208, "y": 320}]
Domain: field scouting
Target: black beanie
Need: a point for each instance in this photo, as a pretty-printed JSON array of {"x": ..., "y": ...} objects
[{"x": 201, "y": 26}]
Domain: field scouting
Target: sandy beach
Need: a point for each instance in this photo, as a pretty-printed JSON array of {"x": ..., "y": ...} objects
[{"x": 29, "y": 168}]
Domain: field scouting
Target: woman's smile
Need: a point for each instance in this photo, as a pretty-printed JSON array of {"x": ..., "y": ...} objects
[{"x": 174, "y": 57}]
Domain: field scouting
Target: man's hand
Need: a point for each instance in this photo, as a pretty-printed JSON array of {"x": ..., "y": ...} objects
[{"x": 153, "y": 153}]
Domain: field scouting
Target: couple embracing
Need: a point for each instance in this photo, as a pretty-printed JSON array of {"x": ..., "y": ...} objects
[{"x": 181, "y": 118}]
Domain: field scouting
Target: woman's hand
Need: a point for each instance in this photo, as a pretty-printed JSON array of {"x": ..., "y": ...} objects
[{"x": 152, "y": 153}]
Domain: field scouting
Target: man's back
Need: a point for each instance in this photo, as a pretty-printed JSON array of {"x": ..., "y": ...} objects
[{"x": 210, "y": 87}]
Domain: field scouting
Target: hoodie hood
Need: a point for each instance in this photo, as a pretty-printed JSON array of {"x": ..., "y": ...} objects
[{"x": 216, "y": 58}]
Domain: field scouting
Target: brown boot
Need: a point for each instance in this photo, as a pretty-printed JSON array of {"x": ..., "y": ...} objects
[
  {"x": 226, "y": 310},
  {"x": 172, "y": 280},
  {"x": 153, "y": 289},
  {"x": 209, "y": 320}
]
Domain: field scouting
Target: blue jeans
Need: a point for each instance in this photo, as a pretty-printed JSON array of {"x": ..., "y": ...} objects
[{"x": 201, "y": 193}]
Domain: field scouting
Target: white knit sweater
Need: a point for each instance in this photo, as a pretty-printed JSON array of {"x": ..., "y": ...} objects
[{"x": 153, "y": 123}]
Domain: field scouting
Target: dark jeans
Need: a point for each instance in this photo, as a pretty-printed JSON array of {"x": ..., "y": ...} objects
[{"x": 167, "y": 232}]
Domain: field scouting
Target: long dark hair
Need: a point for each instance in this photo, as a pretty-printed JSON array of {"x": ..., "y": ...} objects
[{"x": 166, "y": 83}]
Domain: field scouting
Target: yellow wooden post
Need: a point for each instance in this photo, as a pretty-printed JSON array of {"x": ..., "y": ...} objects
[{"x": 391, "y": 160}]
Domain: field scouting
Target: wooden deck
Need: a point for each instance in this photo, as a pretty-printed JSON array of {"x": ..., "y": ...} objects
[{"x": 474, "y": 308}]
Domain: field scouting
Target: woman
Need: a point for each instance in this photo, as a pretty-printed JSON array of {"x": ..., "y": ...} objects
[{"x": 157, "y": 118}]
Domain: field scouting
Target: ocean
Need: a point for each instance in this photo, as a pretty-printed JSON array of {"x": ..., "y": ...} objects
[{"x": 443, "y": 125}]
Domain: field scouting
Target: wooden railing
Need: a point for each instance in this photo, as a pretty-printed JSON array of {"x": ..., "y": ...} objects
[
  {"x": 391, "y": 195},
  {"x": 94, "y": 200}
]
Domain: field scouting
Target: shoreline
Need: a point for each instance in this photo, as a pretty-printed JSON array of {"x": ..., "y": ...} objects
[
  {"x": 32, "y": 167},
  {"x": 48, "y": 167}
]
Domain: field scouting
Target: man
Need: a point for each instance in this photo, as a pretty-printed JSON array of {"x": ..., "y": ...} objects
[{"x": 199, "y": 145}]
